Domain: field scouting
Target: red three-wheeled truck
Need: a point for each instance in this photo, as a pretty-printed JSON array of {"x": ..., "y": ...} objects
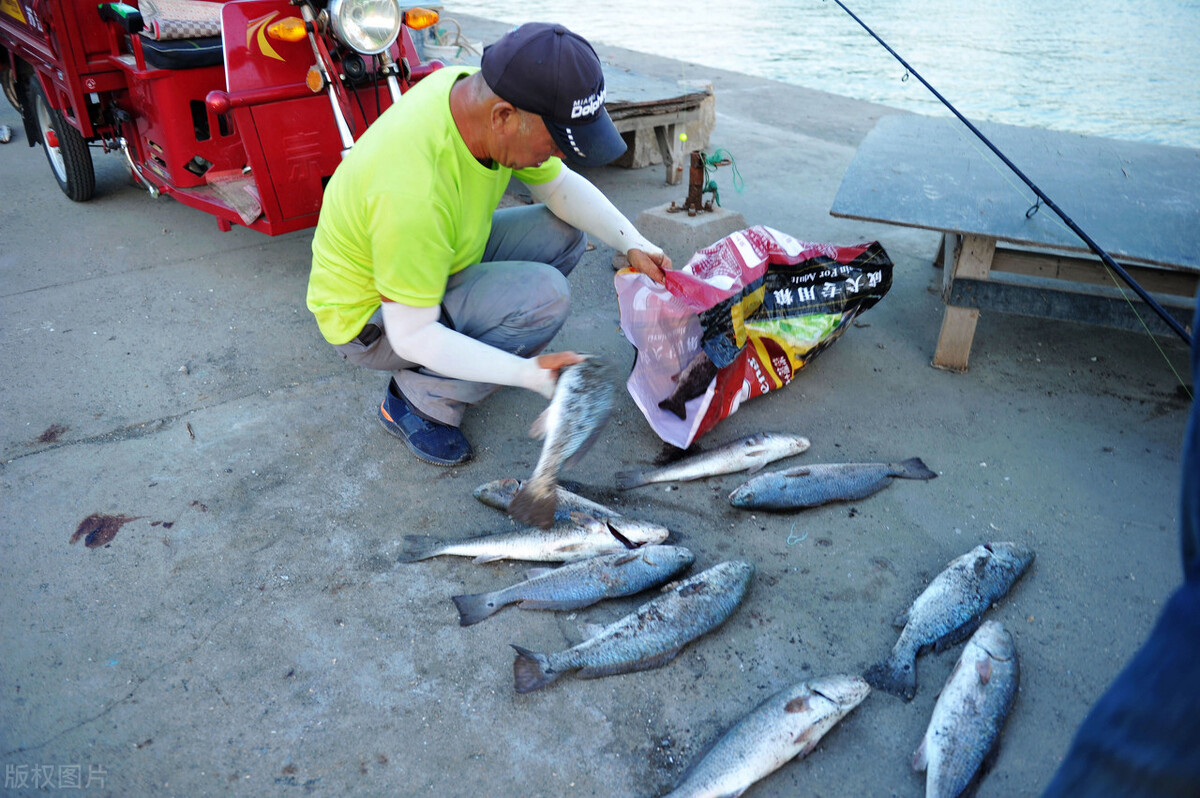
[{"x": 242, "y": 109}]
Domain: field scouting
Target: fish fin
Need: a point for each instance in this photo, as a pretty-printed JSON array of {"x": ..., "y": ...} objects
[
  {"x": 673, "y": 405},
  {"x": 630, "y": 557},
  {"x": 898, "y": 679},
  {"x": 419, "y": 547},
  {"x": 692, "y": 589},
  {"x": 633, "y": 478},
  {"x": 754, "y": 469},
  {"x": 486, "y": 558},
  {"x": 920, "y": 758},
  {"x": 534, "y": 573},
  {"x": 956, "y": 636},
  {"x": 531, "y": 671},
  {"x": 914, "y": 468},
  {"x": 649, "y": 663},
  {"x": 538, "y": 428},
  {"x": 983, "y": 667},
  {"x": 901, "y": 620},
  {"x": 474, "y": 608},
  {"x": 533, "y": 507},
  {"x": 797, "y": 704},
  {"x": 809, "y": 741},
  {"x": 798, "y": 471}
]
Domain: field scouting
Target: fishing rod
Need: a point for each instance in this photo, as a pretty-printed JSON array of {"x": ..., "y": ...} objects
[{"x": 1170, "y": 320}]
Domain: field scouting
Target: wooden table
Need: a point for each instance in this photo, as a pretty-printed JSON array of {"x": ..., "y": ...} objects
[
  {"x": 639, "y": 105},
  {"x": 1138, "y": 202}
]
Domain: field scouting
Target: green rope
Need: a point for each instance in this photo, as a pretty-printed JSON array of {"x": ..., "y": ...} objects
[{"x": 710, "y": 166}]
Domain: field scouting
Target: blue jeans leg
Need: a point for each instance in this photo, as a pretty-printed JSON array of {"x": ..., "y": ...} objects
[
  {"x": 516, "y": 299},
  {"x": 1142, "y": 737}
]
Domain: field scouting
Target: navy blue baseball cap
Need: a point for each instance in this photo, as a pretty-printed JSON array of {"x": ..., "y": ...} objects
[{"x": 547, "y": 70}]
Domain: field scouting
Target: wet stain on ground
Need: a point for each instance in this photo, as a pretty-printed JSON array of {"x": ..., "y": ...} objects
[
  {"x": 99, "y": 529},
  {"x": 52, "y": 434}
]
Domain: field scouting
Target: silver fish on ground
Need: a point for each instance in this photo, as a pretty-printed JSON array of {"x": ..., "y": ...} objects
[
  {"x": 787, "y": 725},
  {"x": 970, "y": 712},
  {"x": 499, "y": 494},
  {"x": 750, "y": 453},
  {"x": 581, "y": 583},
  {"x": 649, "y": 637},
  {"x": 693, "y": 381},
  {"x": 571, "y": 423},
  {"x": 814, "y": 485},
  {"x": 582, "y": 536},
  {"x": 949, "y": 610}
]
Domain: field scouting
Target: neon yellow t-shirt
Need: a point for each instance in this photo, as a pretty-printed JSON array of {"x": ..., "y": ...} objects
[{"x": 408, "y": 207}]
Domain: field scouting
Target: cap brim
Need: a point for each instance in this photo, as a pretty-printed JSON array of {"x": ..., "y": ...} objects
[{"x": 593, "y": 144}]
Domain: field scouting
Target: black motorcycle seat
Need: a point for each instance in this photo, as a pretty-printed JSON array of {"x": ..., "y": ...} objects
[{"x": 183, "y": 53}]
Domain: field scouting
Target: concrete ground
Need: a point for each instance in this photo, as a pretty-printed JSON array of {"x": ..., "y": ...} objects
[{"x": 248, "y": 630}]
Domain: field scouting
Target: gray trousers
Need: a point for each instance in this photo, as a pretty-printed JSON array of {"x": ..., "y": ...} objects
[{"x": 516, "y": 299}]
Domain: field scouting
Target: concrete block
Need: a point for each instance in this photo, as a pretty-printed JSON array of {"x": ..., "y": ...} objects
[{"x": 681, "y": 235}]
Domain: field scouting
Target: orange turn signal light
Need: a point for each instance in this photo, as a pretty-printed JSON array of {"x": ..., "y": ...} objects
[
  {"x": 418, "y": 18},
  {"x": 314, "y": 79},
  {"x": 288, "y": 29}
]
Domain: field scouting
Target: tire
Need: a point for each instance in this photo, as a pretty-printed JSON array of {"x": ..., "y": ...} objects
[{"x": 71, "y": 160}]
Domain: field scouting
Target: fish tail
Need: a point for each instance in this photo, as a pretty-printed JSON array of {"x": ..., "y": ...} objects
[
  {"x": 895, "y": 677},
  {"x": 915, "y": 468},
  {"x": 474, "y": 608},
  {"x": 674, "y": 405},
  {"x": 534, "y": 505},
  {"x": 531, "y": 671},
  {"x": 630, "y": 479},
  {"x": 419, "y": 547}
]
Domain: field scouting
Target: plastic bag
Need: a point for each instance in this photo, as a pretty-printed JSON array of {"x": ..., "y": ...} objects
[{"x": 739, "y": 320}]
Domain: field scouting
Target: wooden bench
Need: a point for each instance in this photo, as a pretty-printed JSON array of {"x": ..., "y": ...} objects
[{"x": 1002, "y": 251}]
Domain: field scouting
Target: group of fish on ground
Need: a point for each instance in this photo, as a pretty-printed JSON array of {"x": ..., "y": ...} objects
[{"x": 607, "y": 555}]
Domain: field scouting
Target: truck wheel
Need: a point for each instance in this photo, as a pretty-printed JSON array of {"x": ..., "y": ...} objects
[{"x": 65, "y": 148}]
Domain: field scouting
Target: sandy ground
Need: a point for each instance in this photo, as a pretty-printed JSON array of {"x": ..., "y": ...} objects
[{"x": 249, "y": 631}]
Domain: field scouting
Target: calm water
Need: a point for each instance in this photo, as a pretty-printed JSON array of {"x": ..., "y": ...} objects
[{"x": 1113, "y": 68}]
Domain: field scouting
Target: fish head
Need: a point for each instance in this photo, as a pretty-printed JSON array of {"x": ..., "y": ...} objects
[
  {"x": 675, "y": 558},
  {"x": 817, "y": 704},
  {"x": 786, "y": 442},
  {"x": 497, "y": 488},
  {"x": 995, "y": 640},
  {"x": 742, "y": 496},
  {"x": 845, "y": 691},
  {"x": 1010, "y": 555},
  {"x": 638, "y": 533},
  {"x": 732, "y": 573}
]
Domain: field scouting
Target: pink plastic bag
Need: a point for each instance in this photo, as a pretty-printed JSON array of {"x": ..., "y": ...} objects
[{"x": 739, "y": 320}]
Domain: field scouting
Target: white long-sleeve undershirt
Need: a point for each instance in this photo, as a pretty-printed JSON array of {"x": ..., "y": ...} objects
[
  {"x": 416, "y": 335},
  {"x": 572, "y": 197}
]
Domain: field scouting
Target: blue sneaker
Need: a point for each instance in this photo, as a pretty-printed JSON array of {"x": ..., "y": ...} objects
[{"x": 439, "y": 444}]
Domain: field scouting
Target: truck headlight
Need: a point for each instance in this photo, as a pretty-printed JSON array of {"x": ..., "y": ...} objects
[{"x": 368, "y": 26}]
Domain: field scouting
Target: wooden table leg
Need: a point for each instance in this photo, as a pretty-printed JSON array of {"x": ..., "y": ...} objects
[
  {"x": 972, "y": 260},
  {"x": 671, "y": 149}
]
